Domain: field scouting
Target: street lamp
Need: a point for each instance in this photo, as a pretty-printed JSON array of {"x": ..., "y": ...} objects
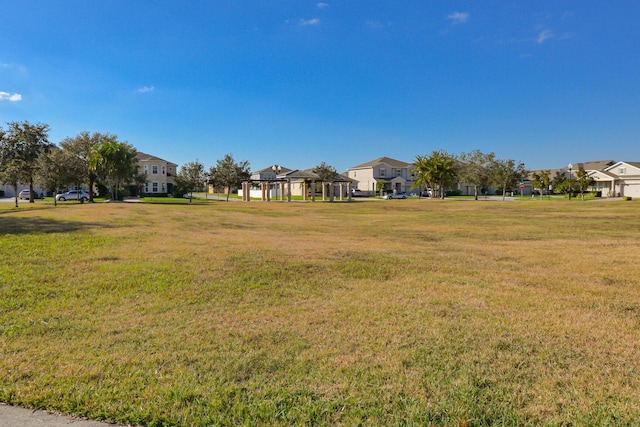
[
  {"x": 276, "y": 170},
  {"x": 570, "y": 186}
]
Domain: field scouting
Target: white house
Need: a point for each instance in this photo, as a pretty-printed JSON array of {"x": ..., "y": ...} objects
[{"x": 618, "y": 179}]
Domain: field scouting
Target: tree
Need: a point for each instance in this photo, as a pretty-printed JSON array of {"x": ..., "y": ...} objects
[
  {"x": 229, "y": 174},
  {"x": 583, "y": 181},
  {"x": 9, "y": 172},
  {"x": 80, "y": 147},
  {"x": 540, "y": 180},
  {"x": 546, "y": 180},
  {"x": 190, "y": 177},
  {"x": 421, "y": 170},
  {"x": 437, "y": 170},
  {"x": 20, "y": 148},
  {"x": 327, "y": 173},
  {"x": 475, "y": 169},
  {"x": 557, "y": 182},
  {"x": 57, "y": 168},
  {"x": 506, "y": 174},
  {"x": 114, "y": 163}
]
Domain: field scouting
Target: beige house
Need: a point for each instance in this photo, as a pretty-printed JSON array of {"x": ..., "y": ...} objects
[
  {"x": 617, "y": 180},
  {"x": 159, "y": 174},
  {"x": 394, "y": 175}
]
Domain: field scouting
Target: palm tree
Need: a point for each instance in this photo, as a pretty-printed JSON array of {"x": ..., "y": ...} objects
[{"x": 422, "y": 171}]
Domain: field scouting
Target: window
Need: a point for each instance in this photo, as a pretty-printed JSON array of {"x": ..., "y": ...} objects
[
  {"x": 146, "y": 187},
  {"x": 398, "y": 172},
  {"x": 154, "y": 187},
  {"x": 622, "y": 171},
  {"x": 154, "y": 169},
  {"x": 163, "y": 169},
  {"x": 164, "y": 190},
  {"x": 382, "y": 172},
  {"x": 146, "y": 169}
]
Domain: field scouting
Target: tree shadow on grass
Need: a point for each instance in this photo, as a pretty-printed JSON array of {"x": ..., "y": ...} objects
[{"x": 13, "y": 226}]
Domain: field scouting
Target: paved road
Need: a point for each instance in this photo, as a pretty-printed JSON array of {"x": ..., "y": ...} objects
[{"x": 11, "y": 416}]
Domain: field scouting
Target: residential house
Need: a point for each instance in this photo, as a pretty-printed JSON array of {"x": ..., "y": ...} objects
[
  {"x": 159, "y": 173},
  {"x": 617, "y": 179},
  {"x": 393, "y": 175},
  {"x": 269, "y": 173}
]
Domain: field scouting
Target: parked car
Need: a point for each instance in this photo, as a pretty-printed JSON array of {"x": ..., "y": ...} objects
[
  {"x": 395, "y": 196},
  {"x": 356, "y": 193},
  {"x": 81, "y": 195},
  {"x": 24, "y": 195}
]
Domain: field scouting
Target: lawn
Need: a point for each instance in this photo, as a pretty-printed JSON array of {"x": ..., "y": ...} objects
[{"x": 409, "y": 312}]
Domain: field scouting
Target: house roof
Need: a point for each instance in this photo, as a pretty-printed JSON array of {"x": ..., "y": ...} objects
[
  {"x": 594, "y": 165},
  {"x": 605, "y": 173},
  {"x": 634, "y": 164},
  {"x": 298, "y": 174},
  {"x": 312, "y": 175},
  {"x": 386, "y": 160},
  {"x": 144, "y": 157},
  {"x": 270, "y": 170}
]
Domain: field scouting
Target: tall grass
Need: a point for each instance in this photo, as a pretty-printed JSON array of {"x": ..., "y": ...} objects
[{"x": 367, "y": 313}]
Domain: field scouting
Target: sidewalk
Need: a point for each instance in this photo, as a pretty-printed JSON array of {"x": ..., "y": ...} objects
[{"x": 12, "y": 416}]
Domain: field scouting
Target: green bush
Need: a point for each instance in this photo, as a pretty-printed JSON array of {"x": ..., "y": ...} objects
[
  {"x": 627, "y": 198},
  {"x": 154, "y": 195}
]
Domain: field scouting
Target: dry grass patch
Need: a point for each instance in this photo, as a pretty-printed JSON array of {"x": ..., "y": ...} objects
[{"x": 364, "y": 313}]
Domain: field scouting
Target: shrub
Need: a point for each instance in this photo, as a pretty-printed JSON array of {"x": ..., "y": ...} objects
[{"x": 154, "y": 195}]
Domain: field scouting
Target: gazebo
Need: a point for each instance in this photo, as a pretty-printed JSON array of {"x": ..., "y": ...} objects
[{"x": 308, "y": 181}]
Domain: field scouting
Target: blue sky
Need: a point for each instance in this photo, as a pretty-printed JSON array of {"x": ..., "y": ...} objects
[{"x": 299, "y": 82}]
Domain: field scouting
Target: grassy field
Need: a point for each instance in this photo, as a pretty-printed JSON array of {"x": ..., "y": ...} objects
[{"x": 410, "y": 312}]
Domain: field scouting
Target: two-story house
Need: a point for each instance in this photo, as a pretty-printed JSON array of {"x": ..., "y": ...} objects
[
  {"x": 160, "y": 174},
  {"x": 390, "y": 174}
]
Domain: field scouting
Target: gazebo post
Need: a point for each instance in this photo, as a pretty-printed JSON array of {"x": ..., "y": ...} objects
[
  {"x": 313, "y": 191},
  {"x": 288, "y": 190}
]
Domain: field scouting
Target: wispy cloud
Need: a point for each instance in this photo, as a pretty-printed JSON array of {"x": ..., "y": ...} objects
[
  {"x": 322, "y": 5},
  {"x": 458, "y": 17},
  {"x": 374, "y": 25},
  {"x": 13, "y": 97},
  {"x": 544, "y": 36},
  {"x": 308, "y": 22},
  {"x": 146, "y": 89}
]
